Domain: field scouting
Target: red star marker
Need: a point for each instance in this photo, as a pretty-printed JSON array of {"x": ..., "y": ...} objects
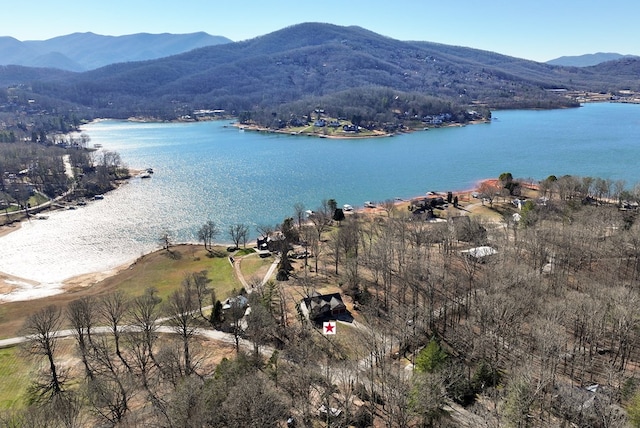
[{"x": 329, "y": 327}]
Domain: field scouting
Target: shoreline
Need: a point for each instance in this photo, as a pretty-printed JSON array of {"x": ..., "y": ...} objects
[
  {"x": 14, "y": 288},
  {"x": 349, "y": 136}
]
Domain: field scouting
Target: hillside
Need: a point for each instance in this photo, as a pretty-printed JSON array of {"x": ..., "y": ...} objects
[
  {"x": 312, "y": 60},
  {"x": 352, "y": 71},
  {"x": 88, "y": 51},
  {"x": 588, "y": 59}
]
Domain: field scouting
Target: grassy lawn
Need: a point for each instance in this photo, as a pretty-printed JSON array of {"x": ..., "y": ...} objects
[
  {"x": 14, "y": 372},
  {"x": 351, "y": 341},
  {"x": 255, "y": 267},
  {"x": 166, "y": 270},
  {"x": 162, "y": 270}
]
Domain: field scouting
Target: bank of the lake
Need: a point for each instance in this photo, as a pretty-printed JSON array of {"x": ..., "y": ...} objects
[{"x": 210, "y": 170}]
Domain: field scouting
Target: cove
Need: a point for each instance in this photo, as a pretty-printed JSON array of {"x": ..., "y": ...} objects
[{"x": 210, "y": 170}]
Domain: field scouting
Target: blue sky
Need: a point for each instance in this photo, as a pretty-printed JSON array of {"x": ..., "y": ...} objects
[{"x": 539, "y": 30}]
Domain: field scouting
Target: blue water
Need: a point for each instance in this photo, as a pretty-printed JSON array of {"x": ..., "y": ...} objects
[{"x": 210, "y": 170}]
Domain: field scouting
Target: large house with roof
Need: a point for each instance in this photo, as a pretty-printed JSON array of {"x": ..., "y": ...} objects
[{"x": 320, "y": 307}]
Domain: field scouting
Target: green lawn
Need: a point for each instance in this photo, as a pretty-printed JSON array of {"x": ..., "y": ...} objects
[
  {"x": 165, "y": 271},
  {"x": 254, "y": 265},
  {"x": 14, "y": 372}
]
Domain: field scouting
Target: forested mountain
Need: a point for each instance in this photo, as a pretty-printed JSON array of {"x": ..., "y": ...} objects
[
  {"x": 87, "y": 51},
  {"x": 307, "y": 66},
  {"x": 588, "y": 59},
  {"x": 312, "y": 60}
]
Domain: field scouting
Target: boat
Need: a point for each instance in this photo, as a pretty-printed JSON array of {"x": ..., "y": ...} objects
[
  {"x": 347, "y": 207},
  {"x": 98, "y": 197},
  {"x": 369, "y": 204},
  {"x": 145, "y": 175}
]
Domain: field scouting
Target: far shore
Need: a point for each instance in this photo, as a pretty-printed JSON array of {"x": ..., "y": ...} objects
[{"x": 351, "y": 135}]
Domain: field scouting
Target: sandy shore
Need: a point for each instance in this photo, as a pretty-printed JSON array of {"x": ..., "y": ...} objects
[
  {"x": 7, "y": 282},
  {"x": 14, "y": 288}
]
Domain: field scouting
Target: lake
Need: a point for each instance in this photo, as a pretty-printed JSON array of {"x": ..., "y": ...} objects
[{"x": 211, "y": 170}]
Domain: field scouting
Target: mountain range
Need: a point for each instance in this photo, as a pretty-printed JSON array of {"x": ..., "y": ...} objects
[
  {"x": 587, "y": 60},
  {"x": 88, "y": 51},
  {"x": 298, "y": 68}
]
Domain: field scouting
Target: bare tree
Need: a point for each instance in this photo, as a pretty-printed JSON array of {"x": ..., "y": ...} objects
[
  {"x": 265, "y": 230},
  {"x": 253, "y": 403},
  {"x": 199, "y": 283},
  {"x": 261, "y": 325},
  {"x": 238, "y": 232},
  {"x": 207, "y": 233},
  {"x": 320, "y": 221},
  {"x": 41, "y": 329},
  {"x": 109, "y": 389},
  {"x": 144, "y": 313},
  {"x": 234, "y": 315},
  {"x": 166, "y": 240},
  {"x": 299, "y": 214},
  {"x": 388, "y": 206},
  {"x": 80, "y": 314},
  {"x": 181, "y": 306},
  {"x": 113, "y": 309},
  {"x": 488, "y": 190}
]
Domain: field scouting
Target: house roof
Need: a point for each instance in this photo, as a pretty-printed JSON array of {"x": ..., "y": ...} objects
[
  {"x": 319, "y": 304},
  {"x": 239, "y": 301},
  {"x": 480, "y": 252}
]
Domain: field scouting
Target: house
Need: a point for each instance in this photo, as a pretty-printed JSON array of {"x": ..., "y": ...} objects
[
  {"x": 320, "y": 123},
  {"x": 270, "y": 244},
  {"x": 322, "y": 306},
  {"x": 239, "y": 301}
]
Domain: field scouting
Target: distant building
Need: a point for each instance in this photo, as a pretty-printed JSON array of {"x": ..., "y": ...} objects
[{"x": 479, "y": 254}]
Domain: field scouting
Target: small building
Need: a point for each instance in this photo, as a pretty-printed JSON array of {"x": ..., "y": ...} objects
[
  {"x": 319, "y": 307},
  {"x": 239, "y": 301},
  {"x": 479, "y": 254}
]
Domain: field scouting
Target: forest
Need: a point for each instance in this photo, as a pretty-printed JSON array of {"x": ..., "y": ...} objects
[
  {"x": 542, "y": 331},
  {"x": 57, "y": 168}
]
